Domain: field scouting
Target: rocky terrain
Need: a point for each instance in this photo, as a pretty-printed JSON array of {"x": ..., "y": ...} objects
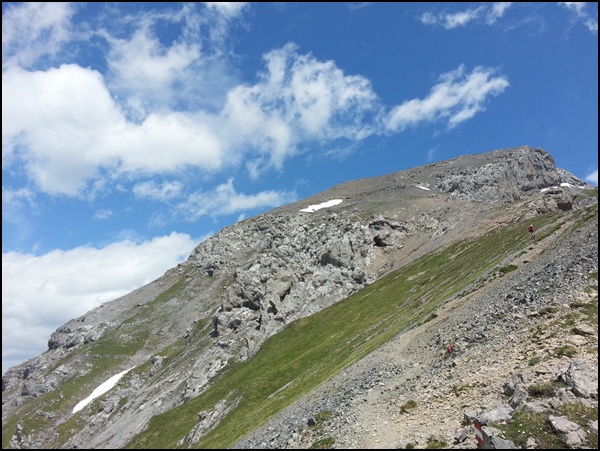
[
  {"x": 496, "y": 331},
  {"x": 511, "y": 329}
]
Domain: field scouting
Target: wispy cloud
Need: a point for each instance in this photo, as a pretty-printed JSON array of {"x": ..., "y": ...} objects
[
  {"x": 163, "y": 192},
  {"x": 491, "y": 13},
  {"x": 35, "y": 30},
  {"x": 224, "y": 199},
  {"x": 457, "y": 98},
  {"x": 102, "y": 214},
  {"x": 579, "y": 10},
  {"x": 592, "y": 177},
  {"x": 486, "y": 13}
]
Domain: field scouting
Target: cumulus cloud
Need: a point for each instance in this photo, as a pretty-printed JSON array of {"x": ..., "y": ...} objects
[
  {"x": 65, "y": 127},
  {"x": 592, "y": 177},
  {"x": 41, "y": 292},
  {"x": 68, "y": 130},
  {"x": 300, "y": 99},
  {"x": 53, "y": 120}
]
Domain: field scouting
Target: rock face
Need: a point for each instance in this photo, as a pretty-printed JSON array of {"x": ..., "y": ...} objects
[
  {"x": 506, "y": 180},
  {"x": 249, "y": 281}
]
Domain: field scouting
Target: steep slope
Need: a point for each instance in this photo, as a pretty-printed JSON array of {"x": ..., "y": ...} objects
[
  {"x": 192, "y": 328},
  {"x": 532, "y": 328}
]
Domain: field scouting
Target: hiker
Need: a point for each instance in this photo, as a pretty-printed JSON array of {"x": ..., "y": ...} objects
[
  {"x": 450, "y": 349},
  {"x": 532, "y": 232}
]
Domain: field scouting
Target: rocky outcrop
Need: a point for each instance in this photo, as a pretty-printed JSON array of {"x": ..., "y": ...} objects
[
  {"x": 298, "y": 268},
  {"x": 517, "y": 173}
]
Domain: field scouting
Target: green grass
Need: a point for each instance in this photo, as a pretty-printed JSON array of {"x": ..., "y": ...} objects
[
  {"x": 541, "y": 390},
  {"x": 565, "y": 351},
  {"x": 507, "y": 268},
  {"x": 312, "y": 350},
  {"x": 526, "y": 425},
  {"x": 534, "y": 361},
  {"x": 324, "y": 443},
  {"x": 104, "y": 358},
  {"x": 435, "y": 443}
]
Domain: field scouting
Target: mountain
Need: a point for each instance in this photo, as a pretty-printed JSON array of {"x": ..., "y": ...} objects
[{"x": 276, "y": 329}]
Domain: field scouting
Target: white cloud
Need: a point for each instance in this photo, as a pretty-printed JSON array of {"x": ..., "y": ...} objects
[
  {"x": 592, "y": 177},
  {"x": 228, "y": 9},
  {"x": 53, "y": 121},
  {"x": 497, "y": 11},
  {"x": 65, "y": 127},
  {"x": 431, "y": 154},
  {"x": 17, "y": 198},
  {"x": 146, "y": 71},
  {"x": 31, "y": 30},
  {"x": 163, "y": 192},
  {"x": 40, "y": 293},
  {"x": 490, "y": 13},
  {"x": 487, "y": 13},
  {"x": 225, "y": 200},
  {"x": 104, "y": 213},
  {"x": 77, "y": 131},
  {"x": 579, "y": 10},
  {"x": 68, "y": 130},
  {"x": 165, "y": 143},
  {"x": 298, "y": 100},
  {"x": 458, "y": 97}
]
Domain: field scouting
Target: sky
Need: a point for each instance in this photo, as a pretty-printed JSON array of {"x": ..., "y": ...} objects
[{"x": 133, "y": 131}]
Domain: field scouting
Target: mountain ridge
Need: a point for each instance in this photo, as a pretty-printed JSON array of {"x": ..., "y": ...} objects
[{"x": 254, "y": 278}]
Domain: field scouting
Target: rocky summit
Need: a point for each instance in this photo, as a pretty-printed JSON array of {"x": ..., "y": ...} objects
[{"x": 410, "y": 310}]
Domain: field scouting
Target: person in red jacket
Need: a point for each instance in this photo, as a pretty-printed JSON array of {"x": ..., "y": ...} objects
[{"x": 532, "y": 232}]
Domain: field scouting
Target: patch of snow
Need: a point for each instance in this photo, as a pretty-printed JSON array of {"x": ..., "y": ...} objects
[
  {"x": 100, "y": 390},
  {"x": 568, "y": 185},
  {"x": 329, "y": 203},
  {"x": 423, "y": 187},
  {"x": 546, "y": 189}
]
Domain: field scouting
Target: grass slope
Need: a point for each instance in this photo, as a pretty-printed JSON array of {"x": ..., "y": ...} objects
[{"x": 312, "y": 350}]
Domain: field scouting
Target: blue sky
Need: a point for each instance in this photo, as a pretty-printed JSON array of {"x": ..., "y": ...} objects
[{"x": 131, "y": 131}]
